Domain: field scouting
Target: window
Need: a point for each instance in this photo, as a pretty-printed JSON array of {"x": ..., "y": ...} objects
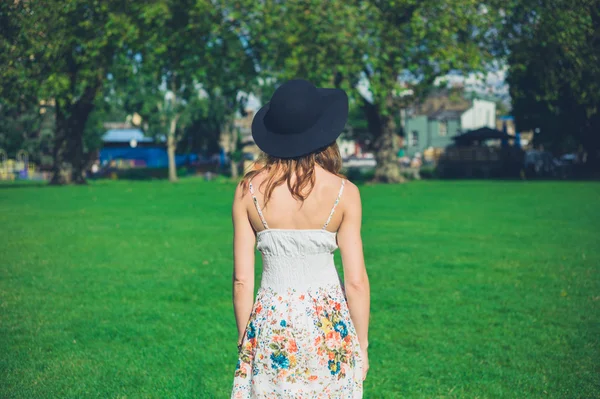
[
  {"x": 413, "y": 139},
  {"x": 443, "y": 128}
]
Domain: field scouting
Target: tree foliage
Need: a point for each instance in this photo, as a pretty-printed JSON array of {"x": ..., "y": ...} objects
[
  {"x": 554, "y": 75},
  {"x": 187, "y": 65},
  {"x": 61, "y": 52},
  {"x": 381, "y": 43},
  {"x": 191, "y": 61}
]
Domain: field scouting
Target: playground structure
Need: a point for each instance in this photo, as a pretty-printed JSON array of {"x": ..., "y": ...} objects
[{"x": 19, "y": 168}]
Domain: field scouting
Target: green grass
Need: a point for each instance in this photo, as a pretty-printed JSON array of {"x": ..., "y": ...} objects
[{"x": 122, "y": 290}]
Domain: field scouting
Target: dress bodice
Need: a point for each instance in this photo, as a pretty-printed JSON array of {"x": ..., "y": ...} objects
[{"x": 298, "y": 259}]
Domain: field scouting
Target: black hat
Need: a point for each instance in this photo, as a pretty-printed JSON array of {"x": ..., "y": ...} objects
[{"x": 300, "y": 119}]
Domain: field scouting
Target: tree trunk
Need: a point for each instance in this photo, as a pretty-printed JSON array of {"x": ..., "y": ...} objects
[
  {"x": 235, "y": 172},
  {"x": 78, "y": 157},
  {"x": 58, "y": 150},
  {"x": 228, "y": 141},
  {"x": 71, "y": 119},
  {"x": 383, "y": 129},
  {"x": 233, "y": 151},
  {"x": 386, "y": 155},
  {"x": 171, "y": 148}
]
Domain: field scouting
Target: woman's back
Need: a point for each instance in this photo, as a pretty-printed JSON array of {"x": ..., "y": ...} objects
[{"x": 283, "y": 211}]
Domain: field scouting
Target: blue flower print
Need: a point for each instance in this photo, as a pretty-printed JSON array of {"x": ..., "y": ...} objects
[
  {"x": 283, "y": 323},
  {"x": 280, "y": 361},
  {"x": 251, "y": 331},
  {"x": 334, "y": 367},
  {"x": 237, "y": 367},
  {"x": 340, "y": 327}
]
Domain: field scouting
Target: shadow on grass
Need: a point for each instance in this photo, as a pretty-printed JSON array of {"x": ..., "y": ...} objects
[{"x": 8, "y": 185}]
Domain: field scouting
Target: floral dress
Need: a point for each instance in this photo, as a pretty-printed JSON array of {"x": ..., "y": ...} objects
[{"x": 300, "y": 341}]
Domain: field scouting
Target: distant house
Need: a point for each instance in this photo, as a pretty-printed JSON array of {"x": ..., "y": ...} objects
[
  {"x": 507, "y": 123},
  {"x": 126, "y": 137},
  {"x": 442, "y": 116},
  {"x": 125, "y": 148}
]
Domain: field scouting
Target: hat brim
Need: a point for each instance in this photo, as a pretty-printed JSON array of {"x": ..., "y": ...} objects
[{"x": 325, "y": 131}]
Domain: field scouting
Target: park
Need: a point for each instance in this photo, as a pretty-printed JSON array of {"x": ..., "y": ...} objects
[
  {"x": 122, "y": 289},
  {"x": 471, "y": 129}
]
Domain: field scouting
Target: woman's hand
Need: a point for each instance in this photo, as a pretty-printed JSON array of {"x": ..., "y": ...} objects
[
  {"x": 239, "y": 341},
  {"x": 365, "y": 358}
]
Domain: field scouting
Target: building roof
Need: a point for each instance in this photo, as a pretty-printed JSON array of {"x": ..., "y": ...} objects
[
  {"x": 451, "y": 102},
  {"x": 125, "y": 136},
  {"x": 481, "y": 134},
  {"x": 444, "y": 114}
]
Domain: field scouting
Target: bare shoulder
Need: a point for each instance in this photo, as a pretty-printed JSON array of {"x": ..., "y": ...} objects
[
  {"x": 240, "y": 197},
  {"x": 239, "y": 191},
  {"x": 351, "y": 193}
]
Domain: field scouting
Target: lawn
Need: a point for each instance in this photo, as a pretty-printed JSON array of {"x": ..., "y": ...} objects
[{"x": 122, "y": 290}]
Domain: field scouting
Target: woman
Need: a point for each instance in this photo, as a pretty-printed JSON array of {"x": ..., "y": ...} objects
[{"x": 305, "y": 336}]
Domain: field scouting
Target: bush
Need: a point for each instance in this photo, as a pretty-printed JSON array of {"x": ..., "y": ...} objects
[
  {"x": 359, "y": 174},
  {"x": 429, "y": 172}
]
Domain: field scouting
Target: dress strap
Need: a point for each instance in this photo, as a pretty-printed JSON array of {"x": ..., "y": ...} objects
[
  {"x": 260, "y": 214},
  {"x": 337, "y": 200}
]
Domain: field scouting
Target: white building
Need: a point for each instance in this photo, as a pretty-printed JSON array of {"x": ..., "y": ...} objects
[{"x": 482, "y": 113}]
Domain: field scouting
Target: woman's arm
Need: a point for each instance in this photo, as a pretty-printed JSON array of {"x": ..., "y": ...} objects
[
  {"x": 243, "y": 263},
  {"x": 356, "y": 281}
]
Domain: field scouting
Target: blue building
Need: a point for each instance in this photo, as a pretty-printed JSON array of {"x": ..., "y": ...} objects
[
  {"x": 442, "y": 116},
  {"x": 129, "y": 148}
]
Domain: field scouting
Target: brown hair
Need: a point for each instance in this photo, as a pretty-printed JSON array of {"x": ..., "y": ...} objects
[{"x": 281, "y": 170}]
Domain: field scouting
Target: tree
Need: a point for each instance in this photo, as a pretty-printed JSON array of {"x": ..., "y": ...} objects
[
  {"x": 411, "y": 43},
  {"x": 396, "y": 47},
  {"x": 62, "y": 52},
  {"x": 233, "y": 75},
  {"x": 192, "y": 61},
  {"x": 554, "y": 72},
  {"x": 164, "y": 72}
]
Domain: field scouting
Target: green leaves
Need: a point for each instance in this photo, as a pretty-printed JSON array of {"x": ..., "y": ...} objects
[{"x": 554, "y": 73}]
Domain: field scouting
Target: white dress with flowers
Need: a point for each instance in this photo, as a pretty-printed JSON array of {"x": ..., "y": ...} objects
[{"x": 300, "y": 341}]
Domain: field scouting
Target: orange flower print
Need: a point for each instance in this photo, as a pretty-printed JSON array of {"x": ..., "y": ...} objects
[
  {"x": 292, "y": 347},
  {"x": 313, "y": 378}
]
